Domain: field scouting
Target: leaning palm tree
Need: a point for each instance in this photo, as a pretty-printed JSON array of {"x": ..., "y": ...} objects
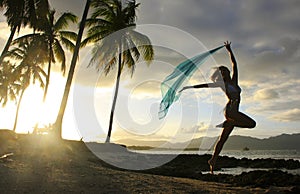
[
  {"x": 58, "y": 123},
  {"x": 53, "y": 35},
  {"x": 112, "y": 27},
  {"x": 22, "y": 12},
  {"x": 31, "y": 59}
]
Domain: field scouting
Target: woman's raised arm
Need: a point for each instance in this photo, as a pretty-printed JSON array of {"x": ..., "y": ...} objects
[{"x": 234, "y": 63}]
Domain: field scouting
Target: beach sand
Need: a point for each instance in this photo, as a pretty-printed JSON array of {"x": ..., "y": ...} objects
[{"x": 43, "y": 165}]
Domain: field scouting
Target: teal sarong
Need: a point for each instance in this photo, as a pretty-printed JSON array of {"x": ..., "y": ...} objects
[{"x": 175, "y": 80}]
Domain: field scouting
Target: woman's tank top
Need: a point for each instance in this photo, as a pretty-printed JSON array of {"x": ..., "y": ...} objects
[{"x": 233, "y": 92}]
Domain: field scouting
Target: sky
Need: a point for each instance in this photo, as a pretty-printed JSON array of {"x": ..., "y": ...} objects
[{"x": 265, "y": 38}]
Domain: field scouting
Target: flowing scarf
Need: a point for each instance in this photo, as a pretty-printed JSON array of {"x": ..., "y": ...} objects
[{"x": 175, "y": 80}]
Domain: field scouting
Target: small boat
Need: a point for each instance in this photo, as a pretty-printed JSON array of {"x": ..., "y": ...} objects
[{"x": 246, "y": 149}]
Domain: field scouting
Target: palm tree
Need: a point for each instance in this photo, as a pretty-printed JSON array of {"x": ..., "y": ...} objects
[
  {"x": 22, "y": 12},
  {"x": 31, "y": 58},
  {"x": 112, "y": 25},
  {"x": 58, "y": 123},
  {"x": 9, "y": 83},
  {"x": 54, "y": 35}
]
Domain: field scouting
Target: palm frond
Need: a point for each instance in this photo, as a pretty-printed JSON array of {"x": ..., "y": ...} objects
[
  {"x": 63, "y": 21},
  {"x": 143, "y": 44},
  {"x": 41, "y": 71},
  {"x": 110, "y": 65},
  {"x": 138, "y": 38},
  {"x": 148, "y": 53},
  {"x": 104, "y": 56},
  {"x": 68, "y": 44},
  {"x": 97, "y": 22},
  {"x": 15, "y": 53},
  {"x": 68, "y": 34},
  {"x": 94, "y": 38},
  {"x": 99, "y": 32},
  {"x": 37, "y": 75},
  {"x": 25, "y": 38},
  {"x": 103, "y": 8},
  {"x": 128, "y": 60},
  {"x": 42, "y": 8},
  {"x": 96, "y": 53},
  {"x": 130, "y": 11},
  {"x": 30, "y": 11},
  {"x": 11, "y": 94},
  {"x": 132, "y": 47},
  {"x": 60, "y": 54}
]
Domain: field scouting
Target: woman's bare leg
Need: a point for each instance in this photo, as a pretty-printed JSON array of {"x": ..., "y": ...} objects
[
  {"x": 236, "y": 119},
  {"x": 224, "y": 136},
  {"x": 242, "y": 120}
]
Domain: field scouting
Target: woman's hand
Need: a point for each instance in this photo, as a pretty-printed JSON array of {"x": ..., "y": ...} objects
[
  {"x": 227, "y": 45},
  {"x": 184, "y": 88},
  {"x": 181, "y": 89}
]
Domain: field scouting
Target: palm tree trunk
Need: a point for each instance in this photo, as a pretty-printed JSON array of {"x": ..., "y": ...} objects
[
  {"x": 8, "y": 43},
  {"x": 48, "y": 72},
  {"x": 59, "y": 118},
  {"x": 111, "y": 119},
  {"x": 17, "y": 112}
]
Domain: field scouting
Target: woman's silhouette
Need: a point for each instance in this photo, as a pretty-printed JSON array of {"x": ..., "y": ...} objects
[{"x": 234, "y": 118}]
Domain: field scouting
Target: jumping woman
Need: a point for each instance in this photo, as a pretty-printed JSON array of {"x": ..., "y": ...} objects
[{"x": 234, "y": 118}]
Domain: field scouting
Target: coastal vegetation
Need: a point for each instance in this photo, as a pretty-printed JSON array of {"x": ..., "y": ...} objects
[{"x": 29, "y": 59}]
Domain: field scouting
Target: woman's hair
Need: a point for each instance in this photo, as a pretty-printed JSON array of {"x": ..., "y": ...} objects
[{"x": 219, "y": 73}]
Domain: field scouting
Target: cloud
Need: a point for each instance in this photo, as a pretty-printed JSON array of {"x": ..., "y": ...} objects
[
  {"x": 4, "y": 34},
  {"x": 288, "y": 116},
  {"x": 283, "y": 54},
  {"x": 200, "y": 128},
  {"x": 146, "y": 89},
  {"x": 75, "y": 6},
  {"x": 242, "y": 21},
  {"x": 266, "y": 94}
]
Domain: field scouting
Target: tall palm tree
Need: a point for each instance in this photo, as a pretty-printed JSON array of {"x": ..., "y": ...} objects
[
  {"x": 112, "y": 25},
  {"x": 58, "y": 123},
  {"x": 31, "y": 58},
  {"x": 54, "y": 35},
  {"x": 22, "y": 12}
]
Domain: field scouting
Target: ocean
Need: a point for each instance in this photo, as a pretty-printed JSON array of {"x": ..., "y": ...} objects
[
  {"x": 239, "y": 154},
  {"x": 250, "y": 154},
  {"x": 262, "y": 154}
]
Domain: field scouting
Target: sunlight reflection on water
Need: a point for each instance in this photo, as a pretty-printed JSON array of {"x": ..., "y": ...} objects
[
  {"x": 239, "y": 154},
  {"x": 263, "y": 154}
]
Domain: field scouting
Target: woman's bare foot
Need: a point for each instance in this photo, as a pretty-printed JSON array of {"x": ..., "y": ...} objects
[{"x": 211, "y": 165}]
